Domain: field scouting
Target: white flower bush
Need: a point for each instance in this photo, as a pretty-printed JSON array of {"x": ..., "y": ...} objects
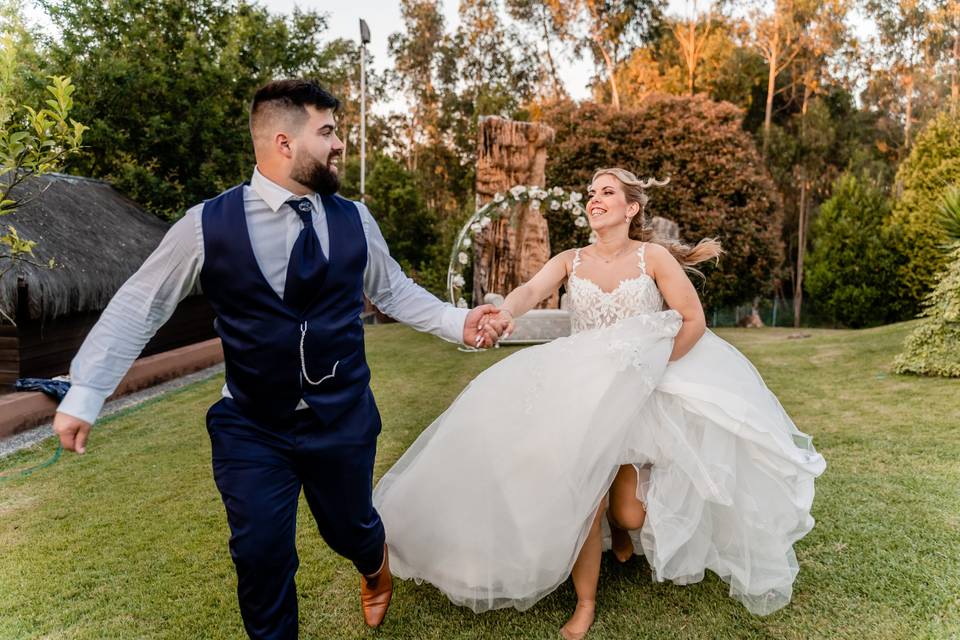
[{"x": 505, "y": 206}]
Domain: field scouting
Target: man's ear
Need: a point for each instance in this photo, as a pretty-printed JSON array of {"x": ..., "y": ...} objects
[{"x": 281, "y": 142}]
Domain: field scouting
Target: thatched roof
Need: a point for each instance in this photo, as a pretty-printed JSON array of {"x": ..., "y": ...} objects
[{"x": 97, "y": 236}]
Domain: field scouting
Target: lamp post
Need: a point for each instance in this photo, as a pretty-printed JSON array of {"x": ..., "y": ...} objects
[{"x": 364, "y": 40}]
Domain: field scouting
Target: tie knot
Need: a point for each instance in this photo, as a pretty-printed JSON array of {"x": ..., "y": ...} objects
[{"x": 303, "y": 209}]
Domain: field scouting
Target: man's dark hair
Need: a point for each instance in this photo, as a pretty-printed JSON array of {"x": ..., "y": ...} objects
[{"x": 289, "y": 98}]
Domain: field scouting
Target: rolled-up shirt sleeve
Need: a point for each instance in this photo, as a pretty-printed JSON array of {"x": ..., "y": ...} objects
[
  {"x": 135, "y": 313},
  {"x": 396, "y": 295}
]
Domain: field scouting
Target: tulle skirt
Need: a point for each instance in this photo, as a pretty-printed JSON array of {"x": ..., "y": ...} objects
[{"x": 492, "y": 503}]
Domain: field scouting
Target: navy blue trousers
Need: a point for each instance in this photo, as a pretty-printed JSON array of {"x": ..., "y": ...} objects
[{"x": 260, "y": 467}]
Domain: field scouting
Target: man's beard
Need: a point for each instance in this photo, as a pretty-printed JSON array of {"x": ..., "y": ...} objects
[{"x": 316, "y": 175}]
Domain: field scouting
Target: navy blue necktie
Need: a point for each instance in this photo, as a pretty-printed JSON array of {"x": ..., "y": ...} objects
[{"x": 308, "y": 265}]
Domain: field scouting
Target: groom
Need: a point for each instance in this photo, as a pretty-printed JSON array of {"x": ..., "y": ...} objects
[{"x": 285, "y": 263}]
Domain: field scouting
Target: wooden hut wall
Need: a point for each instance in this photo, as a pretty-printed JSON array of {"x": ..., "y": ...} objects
[
  {"x": 9, "y": 357},
  {"x": 47, "y": 348}
]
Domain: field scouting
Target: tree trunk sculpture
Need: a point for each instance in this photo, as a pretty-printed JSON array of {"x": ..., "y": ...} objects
[{"x": 510, "y": 153}]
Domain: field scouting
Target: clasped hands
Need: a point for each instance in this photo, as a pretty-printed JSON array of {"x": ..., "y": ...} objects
[{"x": 486, "y": 325}]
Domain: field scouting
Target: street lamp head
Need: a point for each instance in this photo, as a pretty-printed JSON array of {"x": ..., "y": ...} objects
[{"x": 364, "y": 32}]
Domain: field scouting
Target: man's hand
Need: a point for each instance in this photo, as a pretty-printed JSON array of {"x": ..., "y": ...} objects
[
  {"x": 501, "y": 320},
  {"x": 73, "y": 432},
  {"x": 476, "y": 331}
]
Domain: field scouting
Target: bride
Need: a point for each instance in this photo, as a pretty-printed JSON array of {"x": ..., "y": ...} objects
[{"x": 642, "y": 432}]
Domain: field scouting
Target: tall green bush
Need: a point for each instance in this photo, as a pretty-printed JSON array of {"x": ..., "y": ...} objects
[
  {"x": 718, "y": 184},
  {"x": 852, "y": 270},
  {"x": 398, "y": 205},
  {"x": 933, "y": 348},
  {"x": 933, "y": 165}
]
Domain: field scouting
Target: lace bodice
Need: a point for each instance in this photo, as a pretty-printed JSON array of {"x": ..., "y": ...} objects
[{"x": 592, "y": 307}]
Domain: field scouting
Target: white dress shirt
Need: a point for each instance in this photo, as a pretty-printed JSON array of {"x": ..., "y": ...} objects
[{"x": 169, "y": 274}]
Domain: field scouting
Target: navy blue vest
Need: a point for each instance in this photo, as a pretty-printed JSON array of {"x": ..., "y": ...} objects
[{"x": 262, "y": 336}]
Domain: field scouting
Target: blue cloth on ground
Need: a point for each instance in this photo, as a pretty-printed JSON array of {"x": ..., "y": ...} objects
[{"x": 56, "y": 389}]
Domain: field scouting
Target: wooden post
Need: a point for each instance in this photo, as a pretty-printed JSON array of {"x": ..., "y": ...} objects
[{"x": 510, "y": 153}]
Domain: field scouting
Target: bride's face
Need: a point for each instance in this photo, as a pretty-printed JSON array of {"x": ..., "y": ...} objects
[{"x": 607, "y": 206}]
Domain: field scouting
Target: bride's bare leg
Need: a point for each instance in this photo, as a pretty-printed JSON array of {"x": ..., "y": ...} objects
[
  {"x": 586, "y": 574},
  {"x": 626, "y": 512}
]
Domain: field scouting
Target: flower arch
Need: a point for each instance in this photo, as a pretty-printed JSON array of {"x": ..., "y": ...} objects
[{"x": 504, "y": 204}]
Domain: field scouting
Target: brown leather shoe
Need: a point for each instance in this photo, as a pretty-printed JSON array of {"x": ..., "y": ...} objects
[{"x": 375, "y": 593}]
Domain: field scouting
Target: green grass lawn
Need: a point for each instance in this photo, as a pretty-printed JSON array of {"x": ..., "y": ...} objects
[{"x": 130, "y": 540}]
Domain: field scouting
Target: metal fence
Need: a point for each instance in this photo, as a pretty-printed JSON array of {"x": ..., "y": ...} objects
[{"x": 773, "y": 312}]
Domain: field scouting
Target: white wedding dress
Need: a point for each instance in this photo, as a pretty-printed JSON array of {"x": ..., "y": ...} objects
[{"x": 493, "y": 501}]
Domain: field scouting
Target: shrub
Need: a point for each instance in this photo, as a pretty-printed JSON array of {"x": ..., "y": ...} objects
[
  {"x": 719, "y": 186},
  {"x": 852, "y": 268},
  {"x": 933, "y": 348}
]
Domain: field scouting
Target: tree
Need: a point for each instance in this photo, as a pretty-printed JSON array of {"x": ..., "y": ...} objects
[
  {"x": 33, "y": 141},
  {"x": 932, "y": 166},
  {"x": 547, "y": 20},
  {"x": 726, "y": 67},
  {"x": 852, "y": 272},
  {"x": 901, "y": 56},
  {"x": 718, "y": 183},
  {"x": 948, "y": 19},
  {"x": 778, "y": 38},
  {"x": 824, "y": 34},
  {"x": 416, "y": 52},
  {"x": 613, "y": 28},
  {"x": 168, "y": 84},
  {"x": 481, "y": 69},
  {"x": 494, "y": 75},
  {"x": 397, "y": 203},
  {"x": 691, "y": 42}
]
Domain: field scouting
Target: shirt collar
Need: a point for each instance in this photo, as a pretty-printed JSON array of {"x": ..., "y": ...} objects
[{"x": 275, "y": 195}]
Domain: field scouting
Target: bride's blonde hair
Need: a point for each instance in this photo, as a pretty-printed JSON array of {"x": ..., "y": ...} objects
[{"x": 634, "y": 190}]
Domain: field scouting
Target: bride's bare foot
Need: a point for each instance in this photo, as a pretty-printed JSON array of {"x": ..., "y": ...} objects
[
  {"x": 620, "y": 543},
  {"x": 579, "y": 623}
]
